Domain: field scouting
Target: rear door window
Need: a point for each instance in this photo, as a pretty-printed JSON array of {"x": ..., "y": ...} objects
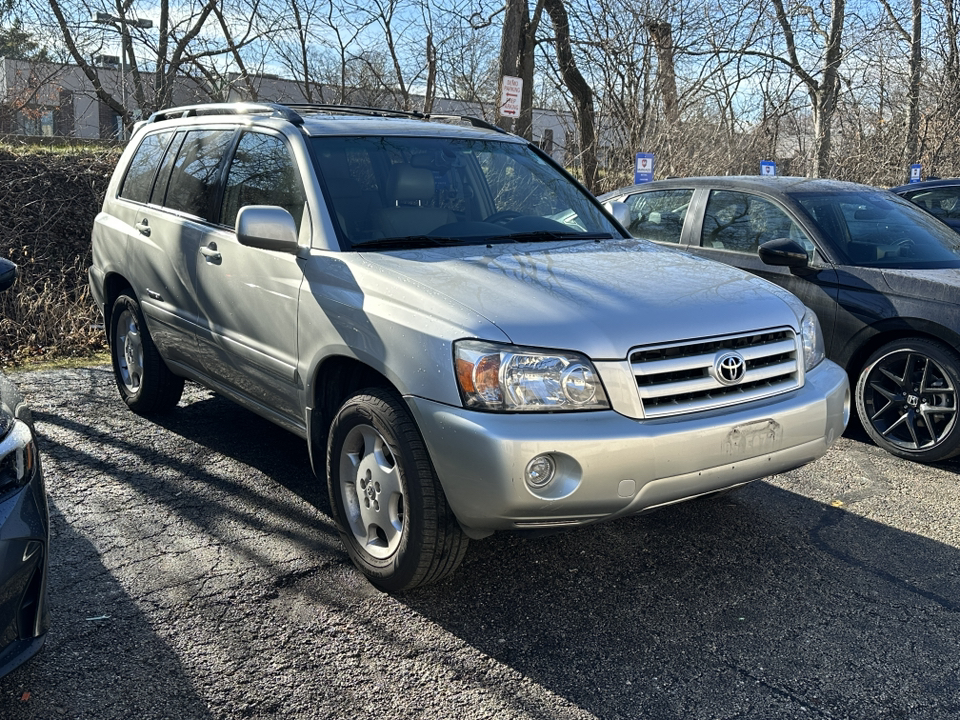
[
  {"x": 942, "y": 202},
  {"x": 196, "y": 171}
]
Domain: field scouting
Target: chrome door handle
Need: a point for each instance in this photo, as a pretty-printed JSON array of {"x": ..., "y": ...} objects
[
  {"x": 144, "y": 227},
  {"x": 211, "y": 254}
]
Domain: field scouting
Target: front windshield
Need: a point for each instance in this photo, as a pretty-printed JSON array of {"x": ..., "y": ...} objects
[
  {"x": 393, "y": 191},
  {"x": 875, "y": 228}
]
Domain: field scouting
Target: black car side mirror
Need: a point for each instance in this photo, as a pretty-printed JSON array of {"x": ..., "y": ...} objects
[
  {"x": 785, "y": 252},
  {"x": 8, "y": 273}
]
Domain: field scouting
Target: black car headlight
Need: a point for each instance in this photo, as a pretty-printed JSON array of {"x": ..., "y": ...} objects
[
  {"x": 508, "y": 378},
  {"x": 18, "y": 458}
]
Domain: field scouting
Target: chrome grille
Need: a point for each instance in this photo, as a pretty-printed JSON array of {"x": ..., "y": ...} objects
[{"x": 680, "y": 378}]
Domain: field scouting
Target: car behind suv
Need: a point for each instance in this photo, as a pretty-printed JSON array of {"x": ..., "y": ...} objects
[
  {"x": 466, "y": 339},
  {"x": 882, "y": 276}
]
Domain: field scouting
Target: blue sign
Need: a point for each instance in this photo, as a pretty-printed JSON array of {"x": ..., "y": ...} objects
[
  {"x": 768, "y": 167},
  {"x": 916, "y": 172},
  {"x": 643, "y": 168}
]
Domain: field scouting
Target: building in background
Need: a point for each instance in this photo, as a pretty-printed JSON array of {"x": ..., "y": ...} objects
[{"x": 59, "y": 100}]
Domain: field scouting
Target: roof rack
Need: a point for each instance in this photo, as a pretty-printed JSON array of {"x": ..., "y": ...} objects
[
  {"x": 237, "y": 108},
  {"x": 380, "y": 112},
  {"x": 291, "y": 112},
  {"x": 354, "y": 110}
]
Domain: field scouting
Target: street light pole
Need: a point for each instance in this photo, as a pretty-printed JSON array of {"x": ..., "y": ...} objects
[{"x": 120, "y": 24}]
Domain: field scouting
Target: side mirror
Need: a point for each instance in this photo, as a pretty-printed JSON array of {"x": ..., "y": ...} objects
[
  {"x": 267, "y": 227},
  {"x": 784, "y": 252},
  {"x": 619, "y": 210},
  {"x": 8, "y": 274}
]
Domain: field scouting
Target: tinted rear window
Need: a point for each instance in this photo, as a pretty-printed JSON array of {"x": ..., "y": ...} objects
[
  {"x": 193, "y": 180},
  {"x": 143, "y": 167}
]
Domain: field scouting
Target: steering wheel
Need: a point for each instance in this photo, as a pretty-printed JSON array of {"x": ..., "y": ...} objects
[
  {"x": 502, "y": 216},
  {"x": 905, "y": 246}
]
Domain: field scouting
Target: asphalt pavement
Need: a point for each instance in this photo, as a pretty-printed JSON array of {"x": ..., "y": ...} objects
[{"x": 196, "y": 573}]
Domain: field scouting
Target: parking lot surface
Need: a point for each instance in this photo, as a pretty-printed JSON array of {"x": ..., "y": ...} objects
[{"x": 196, "y": 574}]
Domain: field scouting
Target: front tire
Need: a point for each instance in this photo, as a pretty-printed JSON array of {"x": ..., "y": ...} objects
[
  {"x": 145, "y": 382},
  {"x": 907, "y": 399},
  {"x": 386, "y": 499}
]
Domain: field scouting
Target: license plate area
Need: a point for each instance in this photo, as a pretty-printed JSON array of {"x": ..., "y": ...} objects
[{"x": 753, "y": 438}]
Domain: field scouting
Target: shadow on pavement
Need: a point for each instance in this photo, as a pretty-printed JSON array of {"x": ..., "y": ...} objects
[
  {"x": 761, "y": 604},
  {"x": 95, "y": 622}
]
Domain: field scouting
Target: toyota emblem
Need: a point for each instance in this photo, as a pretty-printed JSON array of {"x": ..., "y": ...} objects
[{"x": 729, "y": 368}]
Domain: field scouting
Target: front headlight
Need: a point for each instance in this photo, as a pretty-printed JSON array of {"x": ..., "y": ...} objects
[
  {"x": 812, "y": 338},
  {"x": 18, "y": 458},
  {"x": 508, "y": 378}
]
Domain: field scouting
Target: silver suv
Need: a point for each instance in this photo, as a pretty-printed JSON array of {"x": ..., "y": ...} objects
[{"x": 465, "y": 338}]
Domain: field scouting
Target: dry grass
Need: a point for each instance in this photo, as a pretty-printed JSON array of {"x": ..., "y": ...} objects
[{"x": 48, "y": 200}]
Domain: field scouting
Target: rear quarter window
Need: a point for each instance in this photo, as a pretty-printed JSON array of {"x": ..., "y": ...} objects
[{"x": 142, "y": 171}]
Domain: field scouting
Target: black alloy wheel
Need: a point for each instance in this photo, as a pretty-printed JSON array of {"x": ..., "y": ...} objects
[{"x": 907, "y": 399}]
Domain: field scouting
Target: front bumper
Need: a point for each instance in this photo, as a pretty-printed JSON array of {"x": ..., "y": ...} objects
[
  {"x": 24, "y": 542},
  {"x": 609, "y": 465}
]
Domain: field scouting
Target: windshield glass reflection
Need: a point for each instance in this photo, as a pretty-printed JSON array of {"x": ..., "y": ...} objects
[{"x": 390, "y": 191}]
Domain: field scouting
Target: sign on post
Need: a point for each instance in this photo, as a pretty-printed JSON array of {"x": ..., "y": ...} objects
[
  {"x": 643, "y": 168},
  {"x": 916, "y": 172},
  {"x": 768, "y": 168},
  {"x": 510, "y": 88}
]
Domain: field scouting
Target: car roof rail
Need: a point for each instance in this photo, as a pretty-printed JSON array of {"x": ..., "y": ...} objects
[
  {"x": 237, "y": 108},
  {"x": 474, "y": 121},
  {"x": 292, "y": 112},
  {"x": 380, "y": 112}
]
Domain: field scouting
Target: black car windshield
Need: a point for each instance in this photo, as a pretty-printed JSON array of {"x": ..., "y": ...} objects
[
  {"x": 462, "y": 191},
  {"x": 875, "y": 228}
]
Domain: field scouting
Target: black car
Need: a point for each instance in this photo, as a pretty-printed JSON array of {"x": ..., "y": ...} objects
[
  {"x": 24, "y": 526},
  {"x": 882, "y": 276},
  {"x": 940, "y": 198}
]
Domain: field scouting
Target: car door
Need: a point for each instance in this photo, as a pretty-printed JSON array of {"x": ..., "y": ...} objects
[
  {"x": 733, "y": 226},
  {"x": 155, "y": 249},
  {"x": 248, "y": 296}
]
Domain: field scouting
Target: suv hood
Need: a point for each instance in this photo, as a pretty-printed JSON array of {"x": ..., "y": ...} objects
[{"x": 599, "y": 298}]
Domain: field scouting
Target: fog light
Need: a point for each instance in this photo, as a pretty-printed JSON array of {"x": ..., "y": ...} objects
[{"x": 540, "y": 471}]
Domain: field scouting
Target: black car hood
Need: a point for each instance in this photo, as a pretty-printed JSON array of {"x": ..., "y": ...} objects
[{"x": 941, "y": 285}]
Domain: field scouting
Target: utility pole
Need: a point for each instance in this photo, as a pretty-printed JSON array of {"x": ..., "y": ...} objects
[{"x": 121, "y": 24}]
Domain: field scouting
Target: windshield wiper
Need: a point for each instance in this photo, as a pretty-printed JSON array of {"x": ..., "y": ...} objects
[
  {"x": 407, "y": 241},
  {"x": 547, "y": 235}
]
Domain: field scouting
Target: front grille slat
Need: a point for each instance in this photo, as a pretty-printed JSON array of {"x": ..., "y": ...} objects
[{"x": 677, "y": 378}]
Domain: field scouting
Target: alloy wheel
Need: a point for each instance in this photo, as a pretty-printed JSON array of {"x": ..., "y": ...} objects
[
  {"x": 129, "y": 352},
  {"x": 372, "y": 491},
  {"x": 910, "y": 400}
]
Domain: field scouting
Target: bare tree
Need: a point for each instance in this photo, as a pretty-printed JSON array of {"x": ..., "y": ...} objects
[
  {"x": 583, "y": 104},
  {"x": 182, "y": 42}
]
